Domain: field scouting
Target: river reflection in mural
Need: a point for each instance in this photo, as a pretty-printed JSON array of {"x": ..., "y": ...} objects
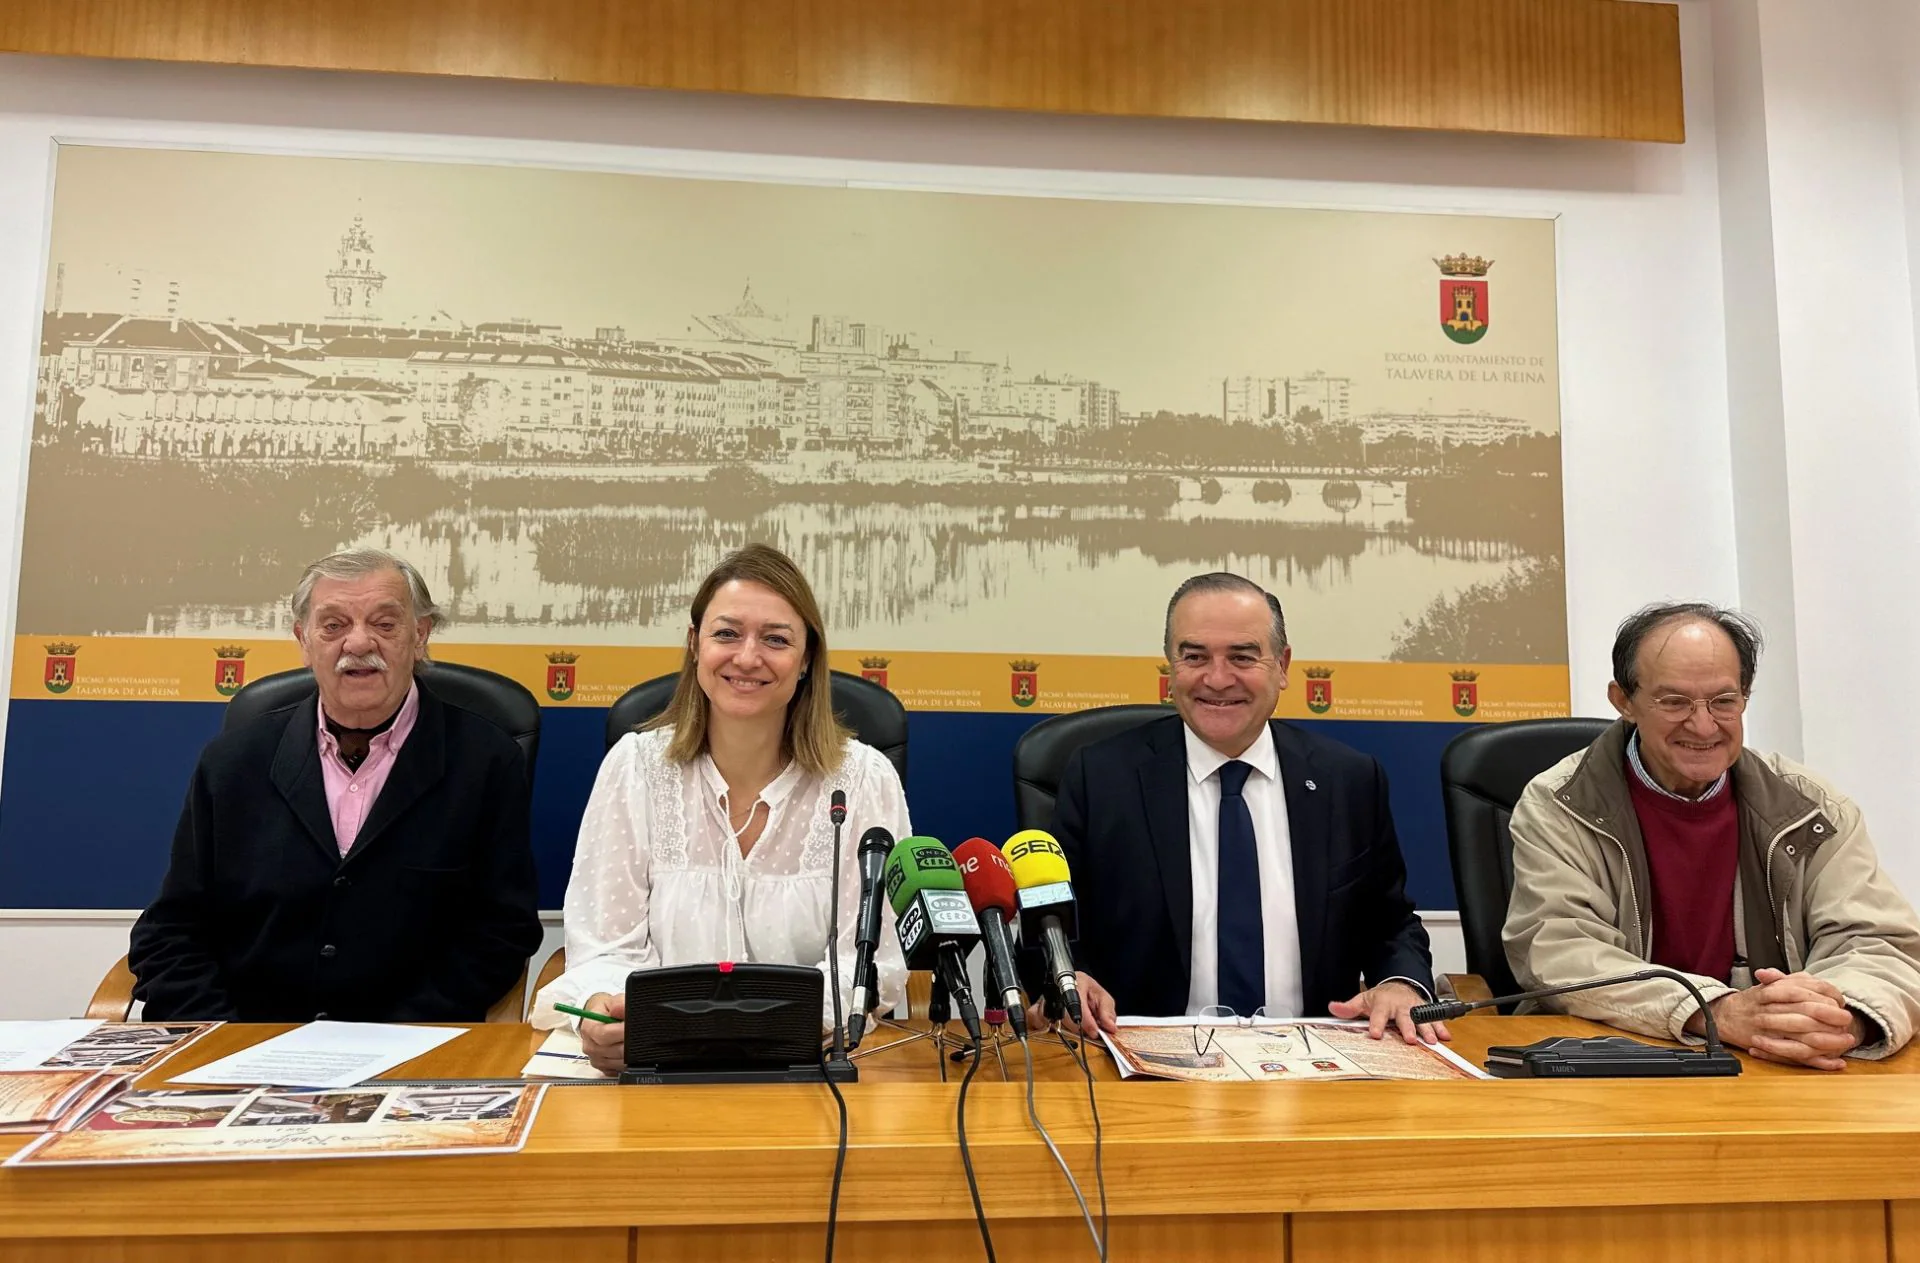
[{"x": 1012, "y": 571}]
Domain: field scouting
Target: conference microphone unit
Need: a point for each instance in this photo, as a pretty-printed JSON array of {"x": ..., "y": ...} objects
[
  {"x": 1046, "y": 906},
  {"x": 990, "y": 889},
  {"x": 934, "y": 918},
  {"x": 875, "y": 845},
  {"x": 1606, "y": 1056}
]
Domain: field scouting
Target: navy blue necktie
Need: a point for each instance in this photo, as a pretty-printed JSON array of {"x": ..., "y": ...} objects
[{"x": 1242, "y": 963}]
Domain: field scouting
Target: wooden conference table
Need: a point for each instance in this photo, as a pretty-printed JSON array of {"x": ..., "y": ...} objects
[{"x": 1775, "y": 1164}]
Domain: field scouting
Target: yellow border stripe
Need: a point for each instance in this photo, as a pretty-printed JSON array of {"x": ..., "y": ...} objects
[{"x": 113, "y": 668}]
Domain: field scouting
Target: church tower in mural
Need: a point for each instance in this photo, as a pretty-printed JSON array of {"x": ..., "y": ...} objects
[{"x": 354, "y": 282}]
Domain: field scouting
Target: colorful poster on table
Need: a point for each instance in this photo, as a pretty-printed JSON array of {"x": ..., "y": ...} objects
[{"x": 375, "y": 1120}]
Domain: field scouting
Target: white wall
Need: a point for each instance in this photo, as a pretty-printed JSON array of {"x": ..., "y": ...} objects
[
  {"x": 1903, "y": 46},
  {"x": 1844, "y": 191},
  {"x": 1756, "y": 417},
  {"x": 1650, "y": 502}
]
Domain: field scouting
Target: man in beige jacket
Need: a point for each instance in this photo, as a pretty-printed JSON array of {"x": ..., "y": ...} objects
[{"x": 1667, "y": 842}]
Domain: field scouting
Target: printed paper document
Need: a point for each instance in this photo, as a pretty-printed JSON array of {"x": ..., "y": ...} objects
[{"x": 324, "y": 1055}]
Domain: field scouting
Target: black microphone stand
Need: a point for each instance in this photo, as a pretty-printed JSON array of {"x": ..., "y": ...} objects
[
  {"x": 836, "y": 1064},
  {"x": 939, "y": 1014}
]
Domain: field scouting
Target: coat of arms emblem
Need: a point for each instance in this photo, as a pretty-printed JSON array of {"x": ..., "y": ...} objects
[
  {"x": 1319, "y": 689},
  {"x": 1026, "y": 681},
  {"x": 560, "y": 674},
  {"x": 229, "y": 669},
  {"x": 60, "y": 666},
  {"x": 1466, "y": 693},
  {"x": 1463, "y": 297}
]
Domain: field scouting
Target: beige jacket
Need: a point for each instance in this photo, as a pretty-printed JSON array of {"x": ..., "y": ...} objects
[{"x": 1809, "y": 895}]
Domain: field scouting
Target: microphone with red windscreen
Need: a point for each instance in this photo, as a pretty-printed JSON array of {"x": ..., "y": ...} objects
[{"x": 989, "y": 884}]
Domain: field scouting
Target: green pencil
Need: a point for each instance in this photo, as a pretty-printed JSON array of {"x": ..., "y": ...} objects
[{"x": 591, "y": 1016}]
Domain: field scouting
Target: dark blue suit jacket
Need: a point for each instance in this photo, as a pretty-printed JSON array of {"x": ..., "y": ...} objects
[{"x": 1121, "y": 818}]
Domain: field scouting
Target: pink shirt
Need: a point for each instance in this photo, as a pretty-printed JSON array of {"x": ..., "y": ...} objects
[{"x": 350, "y": 794}]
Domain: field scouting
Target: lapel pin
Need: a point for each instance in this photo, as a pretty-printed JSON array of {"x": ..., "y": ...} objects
[{"x": 1311, "y": 785}]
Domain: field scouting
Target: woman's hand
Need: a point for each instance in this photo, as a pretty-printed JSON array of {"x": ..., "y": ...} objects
[{"x": 605, "y": 1043}]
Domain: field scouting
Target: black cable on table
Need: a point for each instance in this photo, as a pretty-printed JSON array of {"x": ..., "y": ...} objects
[
  {"x": 966, "y": 1158},
  {"x": 839, "y": 1160}
]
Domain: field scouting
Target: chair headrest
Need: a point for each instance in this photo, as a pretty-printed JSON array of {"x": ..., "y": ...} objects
[
  {"x": 1496, "y": 761},
  {"x": 1040, "y": 756}
]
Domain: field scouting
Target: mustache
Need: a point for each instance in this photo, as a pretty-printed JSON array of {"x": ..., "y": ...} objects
[{"x": 358, "y": 661}]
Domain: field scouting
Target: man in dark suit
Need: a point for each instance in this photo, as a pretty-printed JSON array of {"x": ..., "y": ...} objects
[
  {"x": 361, "y": 856},
  {"x": 1225, "y": 860}
]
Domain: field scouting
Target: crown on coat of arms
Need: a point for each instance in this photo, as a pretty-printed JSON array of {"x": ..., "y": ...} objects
[
  {"x": 1319, "y": 673},
  {"x": 1463, "y": 265},
  {"x": 563, "y": 656},
  {"x": 875, "y": 664},
  {"x": 1024, "y": 664},
  {"x": 1465, "y": 676},
  {"x": 230, "y": 651},
  {"x": 62, "y": 649}
]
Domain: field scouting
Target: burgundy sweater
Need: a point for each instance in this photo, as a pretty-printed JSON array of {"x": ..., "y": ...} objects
[{"x": 1693, "y": 852}]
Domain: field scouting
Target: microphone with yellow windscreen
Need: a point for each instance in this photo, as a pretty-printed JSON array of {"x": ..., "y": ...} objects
[{"x": 1047, "y": 910}]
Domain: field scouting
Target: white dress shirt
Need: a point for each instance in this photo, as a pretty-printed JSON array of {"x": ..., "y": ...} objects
[
  {"x": 658, "y": 878},
  {"x": 1272, "y": 843}
]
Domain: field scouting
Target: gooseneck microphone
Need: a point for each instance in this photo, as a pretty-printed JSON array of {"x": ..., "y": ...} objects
[
  {"x": 991, "y": 891},
  {"x": 933, "y": 918},
  {"x": 875, "y": 845},
  {"x": 837, "y": 813},
  {"x": 1046, "y": 906},
  {"x": 1608, "y": 1056}
]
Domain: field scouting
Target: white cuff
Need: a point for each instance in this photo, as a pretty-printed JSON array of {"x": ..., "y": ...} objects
[{"x": 1410, "y": 982}]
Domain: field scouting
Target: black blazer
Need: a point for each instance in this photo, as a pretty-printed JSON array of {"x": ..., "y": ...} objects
[
  {"x": 1121, "y": 818},
  {"x": 429, "y": 918}
]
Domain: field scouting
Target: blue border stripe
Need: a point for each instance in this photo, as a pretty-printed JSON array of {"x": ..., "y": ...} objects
[{"x": 91, "y": 792}]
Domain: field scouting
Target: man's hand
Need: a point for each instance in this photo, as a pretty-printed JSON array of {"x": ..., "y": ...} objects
[
  {"x": 1390, "y": 1005},
  {"x": 1792, "y": 1018},
  {"x": 605, "y": 1043},
  {"x": 1096, "y": 1009}
]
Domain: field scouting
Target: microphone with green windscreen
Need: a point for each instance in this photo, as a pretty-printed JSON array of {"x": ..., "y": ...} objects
[{"x": 934, "y": 917}]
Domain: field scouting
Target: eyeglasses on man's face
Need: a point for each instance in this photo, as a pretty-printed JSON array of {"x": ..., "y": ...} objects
[{"x": 1679, "y": 708}]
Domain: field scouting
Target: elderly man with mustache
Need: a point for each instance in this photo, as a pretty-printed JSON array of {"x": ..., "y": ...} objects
[{"x": 360, "y": 856}]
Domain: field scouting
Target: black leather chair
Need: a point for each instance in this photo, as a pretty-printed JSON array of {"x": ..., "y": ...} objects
[
  {"x": 1482, "y": 772},
  {"x": 875, "y": 715},
  {"x": 1040, "y": 756},
  {"x": 506, "y": 702}
]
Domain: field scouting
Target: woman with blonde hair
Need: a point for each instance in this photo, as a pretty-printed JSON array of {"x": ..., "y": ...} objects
[{"x": 707, "y": 837}]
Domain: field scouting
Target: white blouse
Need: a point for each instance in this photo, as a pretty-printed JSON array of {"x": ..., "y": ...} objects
[{"x": 658, "y": 878}]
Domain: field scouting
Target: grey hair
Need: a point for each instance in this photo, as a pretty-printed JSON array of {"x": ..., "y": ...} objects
[
  {"x": 1223, "y": 581},
  {"x": 1740, "y": 628},
  {"x": 356, "y": 563}
]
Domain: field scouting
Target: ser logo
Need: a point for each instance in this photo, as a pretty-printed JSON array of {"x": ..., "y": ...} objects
[{"x": 1034, "y": 846}]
